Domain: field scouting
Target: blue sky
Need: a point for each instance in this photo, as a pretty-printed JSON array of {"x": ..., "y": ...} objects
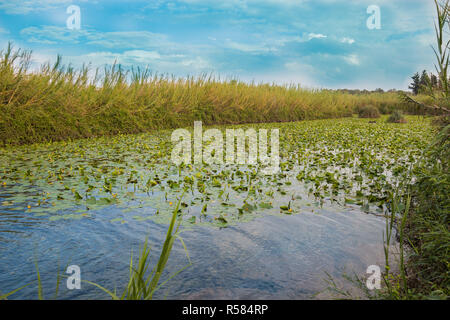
[{"x": 317, "y": 43}]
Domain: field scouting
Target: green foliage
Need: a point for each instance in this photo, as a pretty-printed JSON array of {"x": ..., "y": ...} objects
[
  {"x": 396, "y": 117},
  {"x": 428, "y": 226},
  {"x": 423, "y": 83},
  {"x": 442, "y": 48},
  {"x": 61, "y": 103},
  {"x": 415, "y": 85},
  {"x": 67, "y": 180},
  {"x": 368, "y": 112},
  {"x": 423, "y": 226}
]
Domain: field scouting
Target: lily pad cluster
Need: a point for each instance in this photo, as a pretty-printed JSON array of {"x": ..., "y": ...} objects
[{"x": 324, "y": 163}]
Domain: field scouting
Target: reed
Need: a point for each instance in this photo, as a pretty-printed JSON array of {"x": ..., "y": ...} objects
[
  {"x": 141, "y": 284},
  {"x": 57, "y": 102}
]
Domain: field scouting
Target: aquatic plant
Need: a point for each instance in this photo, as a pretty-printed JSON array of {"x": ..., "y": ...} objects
[
  {"x": 419, "y": 206},
  {"x": 322, "y": 163},
  {"x": 368, "y": 112},
  {"x": 396, "y": 117}
]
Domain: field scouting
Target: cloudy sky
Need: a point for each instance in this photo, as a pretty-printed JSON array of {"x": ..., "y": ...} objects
[{"x": 317, "y": 43}]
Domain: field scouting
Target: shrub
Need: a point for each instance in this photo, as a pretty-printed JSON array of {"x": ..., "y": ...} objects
[
  {"x": 396, "y": 117},
  {"x": 60, "y": 103},
  {"x": 385, "y": 108},
  {"x": 427, "y": 228},
  {"x": 368, "y": 112}
]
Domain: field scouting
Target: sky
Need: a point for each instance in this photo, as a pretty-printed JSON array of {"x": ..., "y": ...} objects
[{"x": 314, "y": 43}]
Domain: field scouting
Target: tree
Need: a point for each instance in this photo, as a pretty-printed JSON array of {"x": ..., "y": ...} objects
[
  {"x": 415, "y": 85},
  {"x": 424, "y": 81},
  {"x": 440, "y": 96},
  {"x": 434, "y": 81}
]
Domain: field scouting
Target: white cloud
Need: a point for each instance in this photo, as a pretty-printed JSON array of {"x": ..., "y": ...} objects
[
  {"x": 170, "y": 63},
  {"x": 316, "y": 36},
  {"x": 52, "y": 34},
  {"x": 110, "y": 40},
  {"x": 127, "y": 39},
  {"x": 294, "y": 72},
  {"x": 30, "y": 6},
  {"x": 249, "y": 48},
  {"x": 352, "y": 59},
  {"x": 348, "y": 40}
]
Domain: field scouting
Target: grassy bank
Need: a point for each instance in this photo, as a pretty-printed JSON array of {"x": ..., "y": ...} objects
[
  {"x": 424, "y": 218},
  {"x": 419, "y": 266},
  {"x": 60, "y": 103},
  {"x": 428, "y": 227},
  {"x": 425, "y": 228}
]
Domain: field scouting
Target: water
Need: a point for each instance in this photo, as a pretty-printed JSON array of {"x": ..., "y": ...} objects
[
  {"x": 271, "y": 257},
  {"x": 91, "y": 202}
]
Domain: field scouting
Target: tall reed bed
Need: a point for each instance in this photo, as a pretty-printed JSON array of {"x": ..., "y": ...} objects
[
  {"x": 142, "y": 283},
  {"x": 58, "y": 102}
]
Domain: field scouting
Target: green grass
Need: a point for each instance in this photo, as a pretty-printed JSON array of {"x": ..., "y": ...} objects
[
  {"x": 396, "y": 117},
  {"x": 424, "y": 223},
  {"x": 427, "y": 227},
  {"x": 422, "y": 211},
  {"x": 60, "y": 103},
  {"x": 368, "y": 112}
]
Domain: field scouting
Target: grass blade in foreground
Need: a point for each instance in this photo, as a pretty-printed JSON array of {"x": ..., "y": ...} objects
[{"x": 139, "y": 287}]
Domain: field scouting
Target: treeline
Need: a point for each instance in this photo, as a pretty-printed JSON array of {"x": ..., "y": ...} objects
[
  {"x": 425, "y": 83},
  {"x": 365, "y": 91}
]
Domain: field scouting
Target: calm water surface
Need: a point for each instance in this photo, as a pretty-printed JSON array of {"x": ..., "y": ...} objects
[{"x": 271, "y": 257}]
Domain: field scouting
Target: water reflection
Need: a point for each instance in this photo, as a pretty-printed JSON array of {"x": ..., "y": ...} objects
[{"x": 271, "y": 257}]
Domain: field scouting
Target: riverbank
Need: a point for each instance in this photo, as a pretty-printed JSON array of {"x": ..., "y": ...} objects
[
  {"x": 426, "y": 228},
  {"x": 60, "y": 103}
]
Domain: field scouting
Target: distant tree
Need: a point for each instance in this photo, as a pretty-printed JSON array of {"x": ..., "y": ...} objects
[
  {"x": 424, "y": 81},
  {"x": 441, "y": 95},
  {"x": 434, "y": 81},
  {"x": 415, "y": 85}
]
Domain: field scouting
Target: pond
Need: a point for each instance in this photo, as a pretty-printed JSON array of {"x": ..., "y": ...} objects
[{"x": 249, "y": 236}]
